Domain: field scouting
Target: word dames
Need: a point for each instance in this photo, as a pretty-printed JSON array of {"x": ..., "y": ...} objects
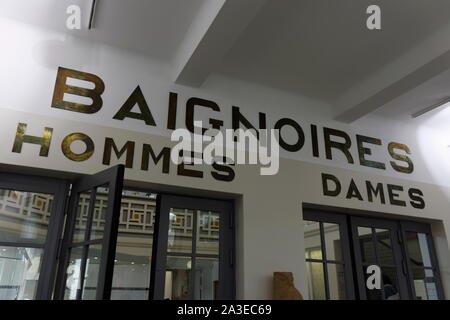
[{"x": 332, "y": 187}]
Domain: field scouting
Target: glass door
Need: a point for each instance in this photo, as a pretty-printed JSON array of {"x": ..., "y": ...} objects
[
  {"x": 378, "y": 242},
  {"x": 193, "y": 253},
  {"x": 89, "y": 244},
  {"x": 339, "y": 249},
  {"x": 31, "y": 219},
  {"x": 425, "y": 282},
  {"x": 328, "y": 260}
]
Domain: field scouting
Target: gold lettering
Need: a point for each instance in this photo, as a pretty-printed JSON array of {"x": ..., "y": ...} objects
[
  {"x": 22, "y": 138},
  {"x": 61, "y": 88},
  {"x": 394, "y": 145},
  {"x": 67, "y": 142}
]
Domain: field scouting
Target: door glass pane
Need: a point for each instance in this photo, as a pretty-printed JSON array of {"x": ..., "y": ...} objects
[
  {"x": 24, "y": 216},
  {"x": 177, "y": 281},
  {"x": 86, "y": 260},
  {"x": 73, "y": 274},
  {"x": 100, "y": 206},
  {"x": 193, "y": 253},
  {"x": 206, "y": 279},
  {"x": 316, "y": 281},
  {"x": 132, "y": 264},
  {"x": 424, "y": 284},
  {"x": 19, "y": 272},
  {"x": 418, "y": 249},
  {"x": 208, "y": 223},
  {"x": 81, "y": 220},
  {"x": 92, "y": 272},
  {"x": 131, "y": 279},
  {"x": 332, "y": 241},
  {"x": 384, "y": 247},
  {"x": 313, "y": 249},
  {"x": 366, "y": 243},
  {"x": 180, "y": 230},
  {"x": 390, "y": 284},
  {"x": 336, "y": 281}
]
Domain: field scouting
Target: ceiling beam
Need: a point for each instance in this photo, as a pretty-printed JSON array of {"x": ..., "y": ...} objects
[
  {"x": 398, "y": 88},
  {"x": 420, "y": 64},
  {"x": 210, "y": 37}
]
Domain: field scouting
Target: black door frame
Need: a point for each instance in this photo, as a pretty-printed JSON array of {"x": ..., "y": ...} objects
[
  {"x": 59, "y": 189},
  {"x": 165, "y": 202},
  {"x": 328, "y": 217},
  {"x": 410, "y": 226},
  {"x": 52, "y": 269},
  {"x": 399, "y": 240},
  {"x": 398, "y": 253},
  {"x": 56, "y": 247},
  {"x": 113, "y": 177}
]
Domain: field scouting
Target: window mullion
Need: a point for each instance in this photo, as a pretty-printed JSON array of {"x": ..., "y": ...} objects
[{"x": 324, "y": 264}]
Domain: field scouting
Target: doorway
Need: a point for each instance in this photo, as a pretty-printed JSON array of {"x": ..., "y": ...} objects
[
  {"x": 193, "y": 255},
  {"x": 93, "y": 239},
  {"x": 31, "y": 219},
  {"x": 341, "y": 250}
]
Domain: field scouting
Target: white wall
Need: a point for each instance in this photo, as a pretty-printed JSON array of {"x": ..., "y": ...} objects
[{"x": 269, "y": 208}]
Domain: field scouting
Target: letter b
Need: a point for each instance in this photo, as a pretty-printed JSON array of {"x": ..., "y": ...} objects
[{"x": 61, "y": 87}]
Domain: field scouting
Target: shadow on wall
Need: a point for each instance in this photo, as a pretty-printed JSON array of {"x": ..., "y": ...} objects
[{"x": 58, "y": 51}]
